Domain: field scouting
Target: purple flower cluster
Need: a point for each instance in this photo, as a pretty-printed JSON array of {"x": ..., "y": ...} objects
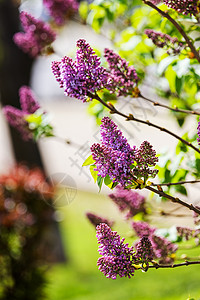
[
  {"x": 117, "y": 257},
  {"x": 145, "y": 158},
  {"x": 84, "y": 76},
  {"x": 144, "y": 251},
  {"x": 183, "y": 6},
  {"x": 112, "y": 137},
  {"x": 97, "y": 220},
  {"x": 163, "y": 40},
  {"x": 37, "y": 36},
  {"x": 185, "y": 232},
  {"x": 128, "y": 200},
  {"x": 198, "y": 132},
  {"x": 123, "y": 79},
  {"x": 143, "y": 229},
  {"x": 60, "y": 10},
  {"x": 114, "y": 156},
  {"x": 162, "y": 248},
  {"x": 16, "y": 117}
]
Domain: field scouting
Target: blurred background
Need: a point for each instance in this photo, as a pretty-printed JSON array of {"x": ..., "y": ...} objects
[{"x": 72, "y": 273}]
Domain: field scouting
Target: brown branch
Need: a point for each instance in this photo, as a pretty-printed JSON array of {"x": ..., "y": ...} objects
[
  {"x": 67, "y": 142},
  {"x": 178, "y": 27},
  {"x": 176, "y": 109},
  {"x": 187, "y": 263},
  {"x": 130, "y": 117},
  {"x": 173, "y": 199},
  {"x": 174, "y": 183}
]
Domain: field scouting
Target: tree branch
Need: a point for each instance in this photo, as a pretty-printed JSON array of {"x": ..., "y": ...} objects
[
  {"x": 130, "y": 117},
  {"x": 176, "y": 109},
  {"x": 173, "y": 199},
  {"x": 178, "y": 27},
  {"x": 187, "y": 263},
  {"x": 174, "y": 183}
]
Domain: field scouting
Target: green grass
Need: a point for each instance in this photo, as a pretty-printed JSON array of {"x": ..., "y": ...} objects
[{"x": 79, "y": 278}]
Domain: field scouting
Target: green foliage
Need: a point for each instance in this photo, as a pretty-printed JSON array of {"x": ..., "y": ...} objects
[{"x": 39, "y": 125}]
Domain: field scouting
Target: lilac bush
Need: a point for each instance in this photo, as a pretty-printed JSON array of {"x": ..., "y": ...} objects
[{"x": 113, "y": 160}]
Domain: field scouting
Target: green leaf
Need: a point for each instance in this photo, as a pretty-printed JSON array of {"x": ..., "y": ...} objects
[
  {"x": 178, "y": 84},
  {"x": 107, "y": 180},
  {"x": 88, "y": 161},
  {"x": 94, "y": 173},
  {"x": 114, "y": 185},
  {"x": 83, "y": 10},
  {"x": 181, "y": 189},
  {"x": 99, "y": 182},
  {"x": 33, "y": 118}
]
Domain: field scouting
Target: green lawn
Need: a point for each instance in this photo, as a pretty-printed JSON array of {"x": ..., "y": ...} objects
[{"x": 79, "y": 278}]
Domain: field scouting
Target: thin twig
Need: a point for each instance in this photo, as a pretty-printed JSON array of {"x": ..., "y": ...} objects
[
  {"x": 176, "y": 109},
  {"x": 173, "y": 199},
  {"x": 174, "y": 183},
  {"x": 67, "y": 142},
  {"x": 130, "y": 117},
  {"x": 178, "y": 27},
  {"x": 187, "y": 263}
]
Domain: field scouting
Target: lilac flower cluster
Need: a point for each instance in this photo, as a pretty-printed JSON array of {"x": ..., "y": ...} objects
[
  {"x": 84, "y": 76},
  {"x": 60, "y": 10},
  {"x": 144, "y": 251},
  {"x": 188, "y": 233},
  {"x": 185, "y": 232},
  {"x": 183, "y": 6},
  {"x": 128, "y": 200},
  {"x": 97, "y": 220},
  {"x": 198, "y": 132},
  {"x": 123, "y": 79},
  {"x": 145, "y": 158},
  {"x": 162, "y": 40},
  {"x": 16, "y": 117},
  {"x": 37, "y": 36},
  {"x": 162, "y": 248},
  {"x": 114, "y": 156},
  {"x": 143, "y": 229},
  {"x": 117, "y": 257}
]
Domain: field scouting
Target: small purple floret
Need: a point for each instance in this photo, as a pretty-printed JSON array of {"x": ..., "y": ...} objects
[{"x": 184, "y": 7}]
